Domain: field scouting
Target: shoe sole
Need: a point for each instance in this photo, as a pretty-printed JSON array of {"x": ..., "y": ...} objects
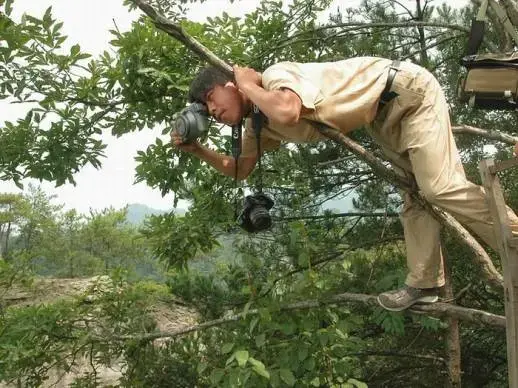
[{"x": 423, "y": 300}]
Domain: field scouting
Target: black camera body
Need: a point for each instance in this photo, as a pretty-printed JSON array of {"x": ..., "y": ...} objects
[
  {"x": 192, "y": 122},
  {"x": 255, "y": 216}
]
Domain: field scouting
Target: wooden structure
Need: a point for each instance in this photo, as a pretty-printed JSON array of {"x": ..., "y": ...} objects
[{"x": 508, "y": 248}]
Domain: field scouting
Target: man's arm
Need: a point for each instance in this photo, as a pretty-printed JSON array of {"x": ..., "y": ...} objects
[
  {"x": 282, "y": 106},
  {"x": 226, "y": 164},
  {"x": 223, "y": 163}
]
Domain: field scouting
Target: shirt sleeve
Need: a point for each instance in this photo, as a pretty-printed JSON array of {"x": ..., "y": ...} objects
[
  {"x": 288, "y": 75},
  {"x": 250, "y": 142}
]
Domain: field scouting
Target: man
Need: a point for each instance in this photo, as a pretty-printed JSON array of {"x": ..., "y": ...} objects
[{"x": 403, "y": 108}]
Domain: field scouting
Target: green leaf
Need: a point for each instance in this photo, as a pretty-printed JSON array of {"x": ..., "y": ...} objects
[
  {"x": 259, "y": 368},
  {"x": 247, "y": 307},
  {"x": 202, "y": 366},
  {"x": 309, "y": 364},
  {"x": 303, "y": 259},
  {"x": 260, "y": 340},
  {"x": 8, "y": 7},
  {"x": 83, "y": 56},
  {"x": 303, "y": 352},
  {"x": 287, "y": 377},
  {"x": 253, "y": 323},
  {"x": 227, "y": 348},
  {"x": 241, "y": 357},
  {"x": 216, "y": 376},
  {"x": 74, "y": 50},
  {"x": 356, "y": 383},
  {"x": 47, "y": 19}
]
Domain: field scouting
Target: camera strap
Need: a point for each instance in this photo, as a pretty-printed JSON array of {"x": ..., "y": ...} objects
[
  {"x": 258, "y": 120},
  {"x": 236, "y": 147},
  {"x": 236, "y": 152}
]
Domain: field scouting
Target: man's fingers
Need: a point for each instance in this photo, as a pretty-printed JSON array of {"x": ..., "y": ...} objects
[{"x": 175, "y": 138}]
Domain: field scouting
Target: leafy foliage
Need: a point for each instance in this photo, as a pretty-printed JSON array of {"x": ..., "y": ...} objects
[{"x": 309, "y": 254}]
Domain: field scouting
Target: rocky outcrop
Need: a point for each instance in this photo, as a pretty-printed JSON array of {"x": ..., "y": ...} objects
[{"x": 168, "y": 315}]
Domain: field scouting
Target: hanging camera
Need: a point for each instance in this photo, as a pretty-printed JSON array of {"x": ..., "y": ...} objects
[
  {"x": 192, "y": 122},
  {"x": 255, "y": 216}
]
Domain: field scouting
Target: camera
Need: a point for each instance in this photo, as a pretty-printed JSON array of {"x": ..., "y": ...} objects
[
  {"x": 192, "y": 122},
  {"x": 255, "y": 216}
]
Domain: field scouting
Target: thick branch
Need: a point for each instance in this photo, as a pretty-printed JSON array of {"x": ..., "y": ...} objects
[
  {"x": 453, "y": 348},
  {"x": 179, "y": 34},
  {"x": 487, "y": 133},
  {"x": 511, "y": 9},
  {"x": 422, "y": 37},
  {"x": 340, "y": 215},
  {"x": 376, "y": 164},
  {"x": 436, "y": 310}
]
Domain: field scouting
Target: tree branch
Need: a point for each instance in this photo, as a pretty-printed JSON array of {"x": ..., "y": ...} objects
[
  {"x": 435, "y": 310},
  {"x": 511, "y": 9},
  {"x": 339, "y": 215},
  {"x": 359, "y": 26},
  {"x": 177, "y": 32},
  {"x": 481, "y": 256},
  {"x": 487, "y": 133}
]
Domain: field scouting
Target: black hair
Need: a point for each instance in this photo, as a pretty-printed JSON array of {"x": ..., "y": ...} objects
[{"x": 204, "y": 81}]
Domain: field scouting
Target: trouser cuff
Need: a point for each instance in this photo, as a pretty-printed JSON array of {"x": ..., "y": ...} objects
[{"x": 424, "y": 283}]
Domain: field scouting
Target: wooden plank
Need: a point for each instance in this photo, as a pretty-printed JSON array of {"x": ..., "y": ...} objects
[
  {"x": 503, "y": 236},
  {"x": 509, "y": 257}
]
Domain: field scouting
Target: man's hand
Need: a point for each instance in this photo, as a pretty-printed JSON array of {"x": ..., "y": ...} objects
[
  {"x": 176, "y": 140},
  {"x": 246, "y": 76}
]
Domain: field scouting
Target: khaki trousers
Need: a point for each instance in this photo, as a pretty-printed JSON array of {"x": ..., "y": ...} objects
[{"x": 415, "y": 133}]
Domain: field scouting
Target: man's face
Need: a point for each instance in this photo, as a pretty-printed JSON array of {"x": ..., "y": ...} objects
[{"x": 225, "y": 103}]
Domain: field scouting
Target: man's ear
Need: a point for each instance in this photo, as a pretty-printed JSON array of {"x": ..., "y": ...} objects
[{"x": 230, "y": 84}]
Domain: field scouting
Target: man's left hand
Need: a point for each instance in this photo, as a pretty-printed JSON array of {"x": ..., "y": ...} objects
[{"x": 245, "y": 76}]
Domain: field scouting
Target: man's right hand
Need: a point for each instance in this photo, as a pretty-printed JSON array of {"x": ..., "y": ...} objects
[{"x": 176, "y": 140}]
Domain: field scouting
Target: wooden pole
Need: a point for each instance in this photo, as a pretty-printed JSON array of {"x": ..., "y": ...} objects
[{"x": 509, "y": 255}]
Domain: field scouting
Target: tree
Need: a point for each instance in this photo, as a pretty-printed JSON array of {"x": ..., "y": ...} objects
[
  {"x": 13, "y": 207},
  {"x": 107, "y": 236},
  {"x": 307, "y": 256},
  {"x": 39, "y": 222}
]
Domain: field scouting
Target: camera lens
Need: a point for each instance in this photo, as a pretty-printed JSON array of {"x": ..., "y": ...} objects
[
  {"x": 181, "y": 128},
  {"x": 260, "y": 218}
]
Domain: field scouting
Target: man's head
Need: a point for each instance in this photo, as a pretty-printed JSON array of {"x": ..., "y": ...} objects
[{"x": 218, "y": 91}]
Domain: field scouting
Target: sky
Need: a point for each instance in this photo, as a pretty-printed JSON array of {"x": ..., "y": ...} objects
[{"x": 88, "y": 23}]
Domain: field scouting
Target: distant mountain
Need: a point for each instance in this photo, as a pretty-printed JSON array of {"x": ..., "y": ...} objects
[{"x": 138, "y": 212}]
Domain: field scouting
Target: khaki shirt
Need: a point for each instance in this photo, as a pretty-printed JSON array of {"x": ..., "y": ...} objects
[{"x": 343, "y": 94}]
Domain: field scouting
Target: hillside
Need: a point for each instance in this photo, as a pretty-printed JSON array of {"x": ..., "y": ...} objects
[
  {"x": 168, "y": 313},
  {"x": 138, "y": 212}
]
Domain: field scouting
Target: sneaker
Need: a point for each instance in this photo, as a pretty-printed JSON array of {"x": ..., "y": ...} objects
[{"x": 405, "y": 297}]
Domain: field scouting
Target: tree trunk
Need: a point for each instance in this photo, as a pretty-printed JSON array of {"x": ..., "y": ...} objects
[
  {"x": 422, "y": 38},
  {"x": 511, "y": 8},
  {"x": 5, "y": 253},
  {"x": 453, "y": 349},
  {"x": 1, "y": 241}
]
